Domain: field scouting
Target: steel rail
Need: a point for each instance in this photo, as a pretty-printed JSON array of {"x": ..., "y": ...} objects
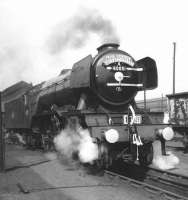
[
  {"x": 175, "y": 181},
  {"x": 155, "y": 191},
  {"x": 171, "y": 179}
]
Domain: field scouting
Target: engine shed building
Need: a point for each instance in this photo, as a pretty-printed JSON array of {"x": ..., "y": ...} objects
[{"x": 155, "y": 104}]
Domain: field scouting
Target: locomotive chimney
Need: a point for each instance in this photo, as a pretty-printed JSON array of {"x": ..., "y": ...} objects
[{"x": 107, "y": 46}]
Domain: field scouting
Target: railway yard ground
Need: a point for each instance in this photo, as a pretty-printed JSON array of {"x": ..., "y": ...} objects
[{"x": 44, "y": 175}]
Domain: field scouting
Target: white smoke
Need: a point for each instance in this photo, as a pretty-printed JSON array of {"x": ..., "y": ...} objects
[
  {"x": 88, "y": 150},
  {"x": 79, "y": 141},
  {"x": 76, "y": 32},
  {"x": 164, "y": 162},
  {"x": 67, "y": 142}
]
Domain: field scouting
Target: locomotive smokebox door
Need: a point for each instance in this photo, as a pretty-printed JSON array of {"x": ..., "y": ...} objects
[
  {"x": 150, "y": 77},
  {"x": 115, "y": 76}
]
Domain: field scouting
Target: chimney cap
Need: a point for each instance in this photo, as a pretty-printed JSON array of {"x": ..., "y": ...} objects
[{"x": 108, "y": 46}]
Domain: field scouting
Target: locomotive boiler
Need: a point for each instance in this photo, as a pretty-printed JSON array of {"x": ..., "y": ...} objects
[
  {"x": 112, "y": 77},
  {"x": 98, "y": 94}
]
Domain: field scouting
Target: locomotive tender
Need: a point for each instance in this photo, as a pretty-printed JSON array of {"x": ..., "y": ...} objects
[{"x": 97, "y": 93}]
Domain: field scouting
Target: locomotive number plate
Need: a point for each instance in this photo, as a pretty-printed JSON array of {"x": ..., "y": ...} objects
[{"x": 137, "y": 120}]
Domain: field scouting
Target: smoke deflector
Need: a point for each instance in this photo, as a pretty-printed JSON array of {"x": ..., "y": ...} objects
[{"x": 150, "y": 77}]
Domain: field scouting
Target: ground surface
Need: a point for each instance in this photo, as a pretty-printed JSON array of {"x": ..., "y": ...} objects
[
  {"x": 178, "y": 150},
  {"x": 47, "y": 176}
]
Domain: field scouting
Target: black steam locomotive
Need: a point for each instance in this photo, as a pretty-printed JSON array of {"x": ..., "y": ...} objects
[{"x": 98, "y": 94}]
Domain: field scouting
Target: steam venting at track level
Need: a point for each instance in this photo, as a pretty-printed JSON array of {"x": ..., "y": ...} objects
[
  {"x": 164, "y": 162},
  {"x": 76, "y": 140}
]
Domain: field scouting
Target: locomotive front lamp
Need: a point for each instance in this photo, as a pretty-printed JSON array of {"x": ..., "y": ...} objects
[
  {"x": 111, "y": 136},
  {"x": 118, "y": 76},
  {"x": 167, "y": 133}
]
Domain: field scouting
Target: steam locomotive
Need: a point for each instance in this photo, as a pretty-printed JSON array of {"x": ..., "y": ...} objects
[{"x": 98, "y": 93}]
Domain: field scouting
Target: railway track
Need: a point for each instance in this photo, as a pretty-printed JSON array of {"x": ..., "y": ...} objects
[{"x": 160, "y": 184}]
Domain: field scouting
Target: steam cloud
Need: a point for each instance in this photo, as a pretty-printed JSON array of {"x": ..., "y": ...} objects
[
  {"x": 164, "y": 162},
  {"x": 76, "y": 140},
  {"x": 14, "y": 62},
  {"x": 75, "y": 32},
  {"x": 23, "y": 53}
]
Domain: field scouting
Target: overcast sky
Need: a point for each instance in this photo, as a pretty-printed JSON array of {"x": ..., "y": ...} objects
[{"x": 38, "y": 38}]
